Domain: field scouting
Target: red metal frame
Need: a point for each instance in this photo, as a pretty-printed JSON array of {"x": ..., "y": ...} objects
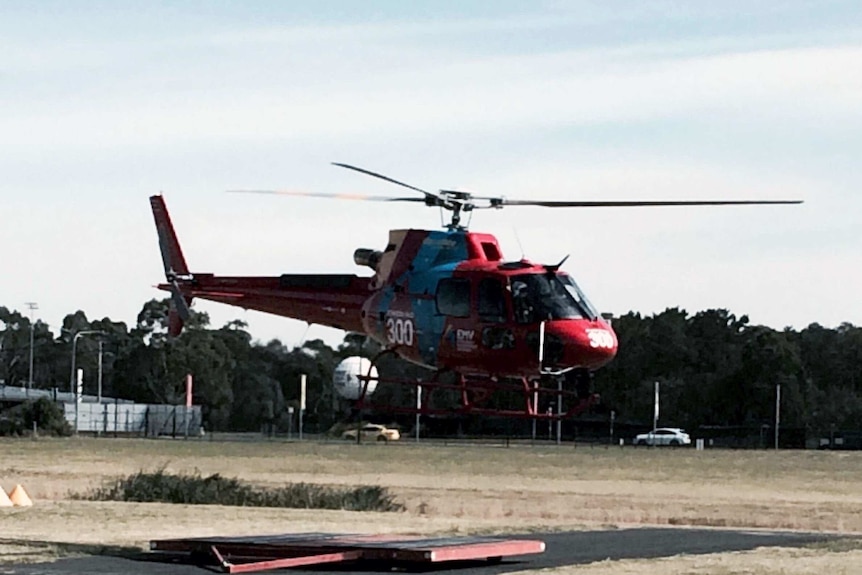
[{"x": 282, "y": 563}]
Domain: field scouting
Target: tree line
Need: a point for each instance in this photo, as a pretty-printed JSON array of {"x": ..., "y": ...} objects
[{"x": 715, "y": 369}]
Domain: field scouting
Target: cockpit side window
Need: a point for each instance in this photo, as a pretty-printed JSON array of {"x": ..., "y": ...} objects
[
  {"x": 492, "y": 303},
  {"x": 453, "y": 297}
]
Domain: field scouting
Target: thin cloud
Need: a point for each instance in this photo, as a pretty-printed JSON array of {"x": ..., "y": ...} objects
[{"x": 491, "y": 93}]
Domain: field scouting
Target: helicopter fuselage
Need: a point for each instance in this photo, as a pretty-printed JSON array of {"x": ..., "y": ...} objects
[{"x": 447, "y": 300}]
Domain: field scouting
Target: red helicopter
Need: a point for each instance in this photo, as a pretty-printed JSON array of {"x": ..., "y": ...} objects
[{"x": 446, "y": 300}]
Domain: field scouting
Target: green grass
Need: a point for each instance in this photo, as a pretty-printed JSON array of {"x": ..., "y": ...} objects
[
  {"x": 265, "y": 460},
  {"x": 194, "y": 489}
]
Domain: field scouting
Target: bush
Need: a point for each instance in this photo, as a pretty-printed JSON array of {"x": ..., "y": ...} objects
[
  {"x": 47, "y": 415},
  {"x": 163, "y": 487}
]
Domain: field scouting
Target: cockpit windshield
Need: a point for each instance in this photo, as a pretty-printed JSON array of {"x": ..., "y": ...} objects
[
  {"x": 579, "y": 296},
  {"x": 546, "y": 296}
]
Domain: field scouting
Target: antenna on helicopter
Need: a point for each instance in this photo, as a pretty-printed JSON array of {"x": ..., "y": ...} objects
[
  {"x": 518, "y": 239},
  {"x": 556, "y": 267}
]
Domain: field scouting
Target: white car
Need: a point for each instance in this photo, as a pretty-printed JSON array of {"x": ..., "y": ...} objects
[{"x": 664, "y": 436}]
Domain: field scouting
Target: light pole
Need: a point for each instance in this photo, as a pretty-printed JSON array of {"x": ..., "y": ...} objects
[
  {"x": 33, "y": 306},
  {"x": 73, "y": 387}
]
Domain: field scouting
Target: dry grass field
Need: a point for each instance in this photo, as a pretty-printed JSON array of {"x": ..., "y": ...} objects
[{"x": 449, "y": 489}]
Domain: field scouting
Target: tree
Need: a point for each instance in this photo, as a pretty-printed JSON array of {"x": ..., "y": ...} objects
[
  {"x": 14, "y": 347},
  {"x": 153, "y": 368}
]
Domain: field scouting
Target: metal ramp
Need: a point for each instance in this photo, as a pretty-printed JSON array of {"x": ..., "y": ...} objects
[{"x": 261, "y": 553}]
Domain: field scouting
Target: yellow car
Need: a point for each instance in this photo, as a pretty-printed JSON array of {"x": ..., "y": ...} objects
[{"x": 374, "y": 432}]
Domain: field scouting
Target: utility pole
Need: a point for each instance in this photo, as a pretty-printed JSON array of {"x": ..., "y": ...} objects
[
  {"x": 100, "y": 373},
  {"x": 419, "y": 409},
  {"x": 777, "y": 412},
  {"x": 559, "y": 410},
  {"x": 302, "y": 385},
  {"x": 33, "y": 306}
]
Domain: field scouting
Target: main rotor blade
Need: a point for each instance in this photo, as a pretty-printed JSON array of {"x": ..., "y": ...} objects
[
  {"x": 633, "y": 203},
  {"x": 361, "y": 197},
  {"x": 428, "y": 195}
]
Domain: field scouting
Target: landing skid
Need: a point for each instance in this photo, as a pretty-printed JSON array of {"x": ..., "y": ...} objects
[{"x": 544, "y": 397}]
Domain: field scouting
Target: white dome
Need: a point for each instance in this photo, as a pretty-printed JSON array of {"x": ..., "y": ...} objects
[{"x": 346, "y": 377}]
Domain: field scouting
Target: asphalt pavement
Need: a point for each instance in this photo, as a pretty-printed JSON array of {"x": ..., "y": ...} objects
[{"x": 565, "y": 548}]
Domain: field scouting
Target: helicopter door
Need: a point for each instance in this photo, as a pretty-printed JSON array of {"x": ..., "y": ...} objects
[
  {"x": 491, "y": 303},
  {"x": 454, "y": 300}
]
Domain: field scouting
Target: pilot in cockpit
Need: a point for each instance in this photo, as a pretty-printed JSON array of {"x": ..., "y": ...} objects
[{"x": 521, "y": 302}]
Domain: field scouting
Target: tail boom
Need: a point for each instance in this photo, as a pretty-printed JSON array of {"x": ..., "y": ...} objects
[
  {"x": 333, "y": 300},
  {"x": 330, "y": 300}
]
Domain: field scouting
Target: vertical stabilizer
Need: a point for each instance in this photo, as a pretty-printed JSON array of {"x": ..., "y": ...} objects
[
  {"x": 175, "y": 265},
  {"x": 172, "y": 255}
]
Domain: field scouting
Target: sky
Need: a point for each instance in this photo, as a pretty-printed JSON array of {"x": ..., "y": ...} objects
[{"x": 103, "y": 104}]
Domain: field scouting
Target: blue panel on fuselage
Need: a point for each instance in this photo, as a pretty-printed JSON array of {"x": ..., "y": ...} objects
[
  {"x": 440, "y": 248},
  {"x": 440, "y": 254},
  {"x": 429, "y": 323}
]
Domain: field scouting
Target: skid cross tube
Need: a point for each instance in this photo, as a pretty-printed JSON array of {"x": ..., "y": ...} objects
[{"x": 474, "y": 392}]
